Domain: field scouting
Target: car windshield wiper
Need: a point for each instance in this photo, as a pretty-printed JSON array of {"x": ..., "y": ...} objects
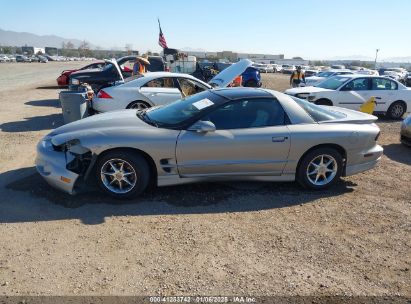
[{"x": 144, "y": 117}]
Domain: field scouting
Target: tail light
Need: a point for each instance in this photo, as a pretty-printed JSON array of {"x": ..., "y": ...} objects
[{"x": 102, "y": 94}]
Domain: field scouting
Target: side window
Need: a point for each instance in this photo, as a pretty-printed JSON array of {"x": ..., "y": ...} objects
[
  {"x": 359, "y": 84},
  {"x": 383, "y": 84},
  {"x": 127, "y": 66},
  {"x": 253, "y": 113},
  {"x": 190, "y": 87},
  {"x": 166, "y": 82}
]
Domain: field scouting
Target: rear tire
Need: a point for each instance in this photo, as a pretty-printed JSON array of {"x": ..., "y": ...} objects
[
  {"x": 320, "y": 168},
  {"x": 323, "y": 102},
  {"x": 396, "y": 110},
  {"x": 122, "y": 174},
  {"x": 138, "y": 105}
]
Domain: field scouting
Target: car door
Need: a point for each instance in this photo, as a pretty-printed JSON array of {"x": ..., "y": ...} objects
[
  {"x": 385, "y": 91},
  {"x": 161, "y": 91},
  {"x": 251, "y": 138},
  {"x": 353, "y": 94}
]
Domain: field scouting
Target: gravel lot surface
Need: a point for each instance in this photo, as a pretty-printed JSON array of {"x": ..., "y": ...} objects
[{"x": 215, "y": 239}]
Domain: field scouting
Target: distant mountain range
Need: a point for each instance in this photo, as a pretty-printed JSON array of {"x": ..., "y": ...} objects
[
  {"x": 11, "y": 38},
  {"x": 397, "y": 59},
  {"x": 352, "y": 57},
  {"x": 365, "y": 58}
]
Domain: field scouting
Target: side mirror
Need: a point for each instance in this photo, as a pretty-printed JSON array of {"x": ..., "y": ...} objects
[{"x": 202, "y": 127}]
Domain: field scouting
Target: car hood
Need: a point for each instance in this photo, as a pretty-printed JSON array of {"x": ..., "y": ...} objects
[
  {"x": 227, "y": 76},
  {"x": 99, "y": 125},
  {"x": 308, "y": 89}
]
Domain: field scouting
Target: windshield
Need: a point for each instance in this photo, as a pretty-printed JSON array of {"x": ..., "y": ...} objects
[
  {"x": 318, "y": 113},
  {"x": 184, "y": 110},
  {"x": 332, "y": 83},
  {"x": 325, "y": 74}
]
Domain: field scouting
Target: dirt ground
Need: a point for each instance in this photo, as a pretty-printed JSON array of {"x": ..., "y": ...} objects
[{"x": 204, "y": 239}]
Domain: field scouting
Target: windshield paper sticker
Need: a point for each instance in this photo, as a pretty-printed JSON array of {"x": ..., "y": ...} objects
[{"x": 203, "y": 103}]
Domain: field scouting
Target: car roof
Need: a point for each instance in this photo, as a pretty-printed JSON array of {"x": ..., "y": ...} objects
[
  {"x": 154, "y": 75},
  {"x": 237, "y": 93}
]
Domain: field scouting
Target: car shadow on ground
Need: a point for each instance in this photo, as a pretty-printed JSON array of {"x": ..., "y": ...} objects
[
  {"x": 36, "y": 123},
  {"x": 398, "y": 152},
  {"x": 44, "y": 103},
  {"x": 92, "y": 206}
]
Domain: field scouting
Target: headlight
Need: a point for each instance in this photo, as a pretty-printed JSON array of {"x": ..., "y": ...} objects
[{"x": 74, "y": 81}]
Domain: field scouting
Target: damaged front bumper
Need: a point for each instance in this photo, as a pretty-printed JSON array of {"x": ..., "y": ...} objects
[{"x": 52, "y": 166}]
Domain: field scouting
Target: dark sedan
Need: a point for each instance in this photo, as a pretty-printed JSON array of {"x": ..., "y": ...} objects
[{"x": 101, "y": 78}]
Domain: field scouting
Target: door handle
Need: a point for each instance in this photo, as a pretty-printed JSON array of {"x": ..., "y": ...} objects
[
  {"x": 153, "y": 94},
  {"x": 279, "y": 138}
]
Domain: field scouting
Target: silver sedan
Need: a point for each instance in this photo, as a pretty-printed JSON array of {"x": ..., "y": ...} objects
[
  {"x": 406, "y": 131},
  {"x": 216, "y": 135}
]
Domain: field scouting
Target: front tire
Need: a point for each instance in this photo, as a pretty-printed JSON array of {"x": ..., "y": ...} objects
[
  {"x": 396, "y": 110},
  {"x": 122, "y": 174},
  {"x": 320, "y": 168}
]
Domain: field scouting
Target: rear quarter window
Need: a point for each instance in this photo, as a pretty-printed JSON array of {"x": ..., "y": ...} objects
[{"x": 318, "y": 113}]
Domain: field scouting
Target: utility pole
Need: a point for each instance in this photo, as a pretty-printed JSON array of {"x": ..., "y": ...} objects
[{"x": 376, "y": 55}]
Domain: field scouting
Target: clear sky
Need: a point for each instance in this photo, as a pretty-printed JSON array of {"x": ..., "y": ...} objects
[{"x": 312, "y": 29}]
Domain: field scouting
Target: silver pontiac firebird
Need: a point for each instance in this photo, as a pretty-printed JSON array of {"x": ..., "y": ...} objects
[{"x": 216, "y": 135}]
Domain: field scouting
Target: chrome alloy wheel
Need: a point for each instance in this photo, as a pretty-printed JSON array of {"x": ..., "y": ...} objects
[
  {"x": 397, "y": 110},
  {"x": 118, "y": 176},
  {"x": 322, "y": 170}
]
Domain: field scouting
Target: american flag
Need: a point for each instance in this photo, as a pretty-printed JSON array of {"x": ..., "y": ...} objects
[{"x": 161, "y": 40}]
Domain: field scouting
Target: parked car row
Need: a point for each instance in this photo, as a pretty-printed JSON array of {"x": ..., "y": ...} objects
[
  {"x": 39, "y": 58},
  {"x": 22, "y": 58},
  {"x": 398, "y": 74}
]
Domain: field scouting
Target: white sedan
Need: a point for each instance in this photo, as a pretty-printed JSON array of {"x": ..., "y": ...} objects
[
  {"x": 321, "y": 76},
  {"x": 351, "y": 91},
  {"x": 159, "y": 88}
]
